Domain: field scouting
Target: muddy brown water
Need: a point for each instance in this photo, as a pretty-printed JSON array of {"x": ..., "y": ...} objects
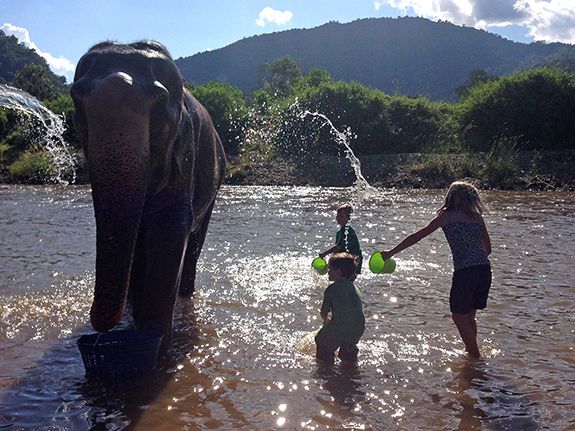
[{"x": 242, "y": 356}]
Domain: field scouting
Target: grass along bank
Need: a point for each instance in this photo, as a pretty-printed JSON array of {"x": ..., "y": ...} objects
[{"x": 498, "y": 169}]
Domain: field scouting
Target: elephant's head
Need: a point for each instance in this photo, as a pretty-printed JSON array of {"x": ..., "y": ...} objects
[{"x": 129, "y": 104}]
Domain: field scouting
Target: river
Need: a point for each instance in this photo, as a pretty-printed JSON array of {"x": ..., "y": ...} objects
[{"x": 242, "y": 354}]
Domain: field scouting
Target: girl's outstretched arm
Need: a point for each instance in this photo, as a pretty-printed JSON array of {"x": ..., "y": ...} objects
[{"x": 415, "y": 237}]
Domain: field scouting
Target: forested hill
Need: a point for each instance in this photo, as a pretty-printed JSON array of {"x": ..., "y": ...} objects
[
  {"x": 24, "y": 68},
  {"x": 14, "y": 56},
  {"x": 410, "y": 56}
]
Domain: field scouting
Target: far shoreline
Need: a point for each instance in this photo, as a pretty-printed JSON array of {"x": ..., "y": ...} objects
[{"x": 532, "y": 171}]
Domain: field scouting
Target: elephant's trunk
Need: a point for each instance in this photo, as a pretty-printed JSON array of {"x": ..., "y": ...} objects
[{"x": 117, "y": 152}]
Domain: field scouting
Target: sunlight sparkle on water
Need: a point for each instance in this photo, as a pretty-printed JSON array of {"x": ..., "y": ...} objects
[{"x": 242, "y": 355}]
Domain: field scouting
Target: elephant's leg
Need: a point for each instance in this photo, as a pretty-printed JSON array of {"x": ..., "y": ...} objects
[
  {"x": 138, "y": 275},
  {"x": 195, "y": 244},
  {"x": 165, "y": 245}
]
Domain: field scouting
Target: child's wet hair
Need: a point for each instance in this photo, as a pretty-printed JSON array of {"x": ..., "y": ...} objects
[
  {"x": 463, "y": 196},
  {"x": 346, "y": 209},
  {"x": 345, "y": 262}
]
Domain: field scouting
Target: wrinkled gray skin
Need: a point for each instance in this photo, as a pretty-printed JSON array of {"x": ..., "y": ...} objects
[{"x": 155, "y": 163}]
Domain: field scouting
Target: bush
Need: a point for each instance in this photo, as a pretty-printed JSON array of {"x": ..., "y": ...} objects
[
  {"x": 368, "y": 119},
  {"x": 538, "y": 106},
  {"x": 417, "y": 124},
  {"x": 63, "y": 105},
  {"x": 33, "y": 166},
  {"x": 355, "y": 111},
  {"x": 3, "y": 123},
  {"x": 501, "y": 163},
  {"x": 468, "y": 166},
  {"x": 227, "y": 107},
  {"x": 18, "y": 138},
  {"x": 435, "y": 166},
  {"x": 4, "y": 148},
  {"x": 442, "y": 169}
]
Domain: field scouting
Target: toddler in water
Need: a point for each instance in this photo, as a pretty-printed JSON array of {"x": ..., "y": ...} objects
[
  {"x": 345, "y": 237},
  {"x": 461, "y": 219},
  {"x": 347, "y": 323}
]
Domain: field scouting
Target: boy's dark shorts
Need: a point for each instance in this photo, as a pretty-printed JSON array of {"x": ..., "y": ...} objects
[
  {"x": 347, "y": 352},
  {"x": 329, "y": 339},
  {"x": 470, "y": 289}
]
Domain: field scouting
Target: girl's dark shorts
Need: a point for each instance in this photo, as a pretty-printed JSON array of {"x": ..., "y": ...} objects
[{"x": 469, "y": 289}]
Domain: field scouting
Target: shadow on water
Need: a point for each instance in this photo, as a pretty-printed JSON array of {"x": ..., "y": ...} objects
[
  {"x": 344, "y": 384},
  {"x": 55, "y": 394},
  {"x": 486, "y": 402}
]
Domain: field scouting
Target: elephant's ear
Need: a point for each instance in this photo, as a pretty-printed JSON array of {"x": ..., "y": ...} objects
[
  {"x": 183, "y": 144},
  {"x": 210, "y": 160}
]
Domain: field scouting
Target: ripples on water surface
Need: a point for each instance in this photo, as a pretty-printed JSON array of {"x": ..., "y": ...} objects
[{"x": 243, "y": 347}]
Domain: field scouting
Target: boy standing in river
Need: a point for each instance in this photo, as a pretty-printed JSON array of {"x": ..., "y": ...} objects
[
  {"x": 345, "y": 237},
  {"x": 342, "y": 300}
]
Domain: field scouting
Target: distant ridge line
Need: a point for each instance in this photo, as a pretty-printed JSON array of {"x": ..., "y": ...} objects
[{"x": 408, "y": 55}]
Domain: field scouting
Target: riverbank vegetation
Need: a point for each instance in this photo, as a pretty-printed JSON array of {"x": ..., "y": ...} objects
[{"x": 504, "y": 132}]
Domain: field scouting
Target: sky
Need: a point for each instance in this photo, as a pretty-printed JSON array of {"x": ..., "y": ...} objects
[{"x": 62, "y": 30}]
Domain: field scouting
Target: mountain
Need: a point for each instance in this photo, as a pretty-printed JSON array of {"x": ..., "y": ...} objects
[
  {"x": 410, "y": 56},
  {"x": 15, "y": 56}
]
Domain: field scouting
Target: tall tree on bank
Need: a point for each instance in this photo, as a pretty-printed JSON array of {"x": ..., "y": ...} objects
[
  {"x": 39, "y": 82},
  {"x": 227, "y": 107},
  {"x": 279, "y": 76}
]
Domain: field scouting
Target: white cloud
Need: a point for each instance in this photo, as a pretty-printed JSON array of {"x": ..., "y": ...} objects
[
  {"x": 269, "y": 15},
  {"x": 550, "y": 21},
  {"x": 58, "y": 65},
  {"x": 456, "y": 11},
  {"x": 546, "y": 20}
]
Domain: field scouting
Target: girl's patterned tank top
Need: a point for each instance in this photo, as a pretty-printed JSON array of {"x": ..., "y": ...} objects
[{"x": 465, "y": 241}]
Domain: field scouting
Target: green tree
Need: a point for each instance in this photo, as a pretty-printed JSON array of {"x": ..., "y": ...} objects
[
  {"x": 4, "y": 147},
  {"x": 476, "y": 76},
  {"x": 14, "y": 56},
  {"x": 63, "y": 105},
  {"x": 418, "y": 125},
  {"x": 372, "y": 121},
  {"x": 227, "y": 107},
  {"x": 279, "y": 75},
  {"x": 38, "y": 81},
  {"x": 537, "y": 107},
  {"x": 12, "y": 131},
  {"x": 3, "y": 123},
  {"x": 314, "y": 78}
]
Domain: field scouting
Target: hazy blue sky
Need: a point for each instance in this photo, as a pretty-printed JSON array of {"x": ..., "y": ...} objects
[{"x": 62, "y": 30}]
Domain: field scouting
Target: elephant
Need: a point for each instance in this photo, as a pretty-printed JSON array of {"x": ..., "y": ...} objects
[{"x": 155, "y": 164}]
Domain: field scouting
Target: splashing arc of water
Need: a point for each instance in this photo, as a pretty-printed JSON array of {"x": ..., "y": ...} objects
[
  {"x": 53, "y": 128},
  {"x": 362, "y": 187}
]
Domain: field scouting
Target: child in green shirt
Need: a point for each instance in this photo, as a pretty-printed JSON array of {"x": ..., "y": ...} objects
[
  {"x": 345, "y": 237},
  {"x": 347, "y": 323}
]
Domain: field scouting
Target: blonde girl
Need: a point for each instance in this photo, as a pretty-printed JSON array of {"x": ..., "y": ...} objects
[{"x": 461, "y": 219}]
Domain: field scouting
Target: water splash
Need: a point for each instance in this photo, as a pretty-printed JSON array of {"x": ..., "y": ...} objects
[
  {"x": 53, "y": 128},
  {"x": 343, "y": 138}
]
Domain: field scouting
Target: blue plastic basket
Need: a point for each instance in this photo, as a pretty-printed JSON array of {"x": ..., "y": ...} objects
[{"x": 120, "y": 354}]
